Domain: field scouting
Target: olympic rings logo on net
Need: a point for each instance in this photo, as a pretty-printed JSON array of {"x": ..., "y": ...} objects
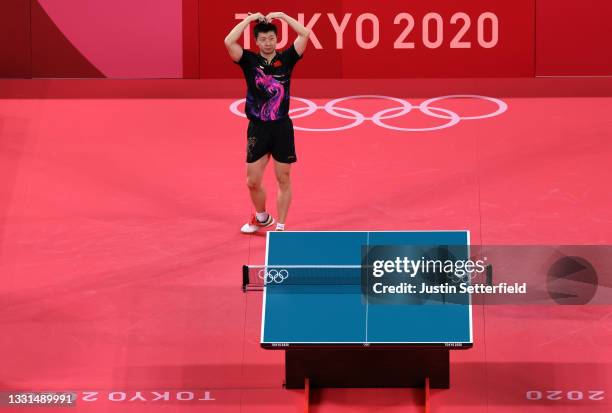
[
  {"x": 273, "y": 276},
  {"x": 404, "y": 107}
]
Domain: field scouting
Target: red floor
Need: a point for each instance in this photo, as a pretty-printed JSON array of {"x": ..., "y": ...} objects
[{"x": 120, "y": 252}]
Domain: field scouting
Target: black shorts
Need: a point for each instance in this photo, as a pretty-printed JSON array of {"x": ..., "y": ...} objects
[{"x": 274, "y": 137}]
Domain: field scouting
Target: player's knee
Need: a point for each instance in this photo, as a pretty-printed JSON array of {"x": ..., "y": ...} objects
[
  {"x": 283, "y": 180},
  {"x": 253, "y": 184}
]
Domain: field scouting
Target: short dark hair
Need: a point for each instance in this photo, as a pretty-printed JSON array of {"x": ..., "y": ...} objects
[{"x": 263, "y": 27}]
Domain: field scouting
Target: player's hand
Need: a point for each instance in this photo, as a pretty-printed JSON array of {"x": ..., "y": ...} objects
[
  {"x": 274, "y": 15},
  {"x": 256, "y": 17}
]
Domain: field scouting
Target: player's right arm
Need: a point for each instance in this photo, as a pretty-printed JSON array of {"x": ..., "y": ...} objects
[{"x": 231, "y": 40}]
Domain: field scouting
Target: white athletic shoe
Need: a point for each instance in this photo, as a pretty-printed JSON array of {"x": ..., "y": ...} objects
[{"x": 254, "y": 225}]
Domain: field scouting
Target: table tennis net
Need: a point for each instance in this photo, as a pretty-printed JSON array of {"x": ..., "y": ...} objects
[{"x": 339, "y": 279}]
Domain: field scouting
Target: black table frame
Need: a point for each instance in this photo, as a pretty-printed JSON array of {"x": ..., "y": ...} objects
[{"x": 367, "y": 367}]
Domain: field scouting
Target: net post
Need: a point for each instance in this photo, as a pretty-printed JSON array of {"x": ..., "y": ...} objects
[
  {"x": 245, "y": 278},
  {"x": 489, "y": 276}
]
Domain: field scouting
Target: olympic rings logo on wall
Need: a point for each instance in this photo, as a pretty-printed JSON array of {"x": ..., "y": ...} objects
[
  {"x": 273, "y": 276},
  {"x": 404, "y": 108}
]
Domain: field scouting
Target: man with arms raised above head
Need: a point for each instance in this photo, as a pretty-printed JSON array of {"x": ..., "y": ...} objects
[{"x": 270, "y": 130}]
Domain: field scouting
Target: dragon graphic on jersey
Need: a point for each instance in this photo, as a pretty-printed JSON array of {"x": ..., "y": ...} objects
[{"x": 274, "y": 89}]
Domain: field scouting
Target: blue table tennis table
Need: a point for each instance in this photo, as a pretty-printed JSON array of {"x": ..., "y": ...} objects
[{"x": 326, "y": 326}]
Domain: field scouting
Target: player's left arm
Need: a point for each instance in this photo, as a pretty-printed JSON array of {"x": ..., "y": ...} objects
[{"x": 303, "y": 33}]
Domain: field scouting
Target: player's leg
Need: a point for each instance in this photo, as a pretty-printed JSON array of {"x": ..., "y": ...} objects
[
  {"x": 283, "y": 177},
  {"x": 283, "y": 152},
  {"x": 255, "y": 173},
  {"x": 258, "y": 155}
]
